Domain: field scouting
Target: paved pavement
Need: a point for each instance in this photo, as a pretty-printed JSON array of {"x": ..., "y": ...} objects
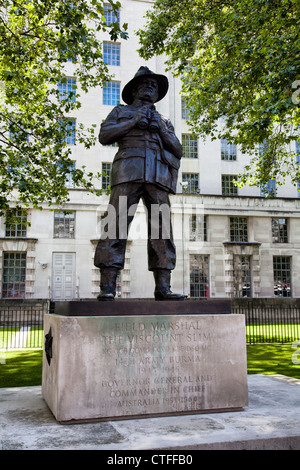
[{"x": 271, "y": 421}]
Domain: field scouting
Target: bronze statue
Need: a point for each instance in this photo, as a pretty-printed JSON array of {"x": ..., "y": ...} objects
[{"x": 145, "y": 166}]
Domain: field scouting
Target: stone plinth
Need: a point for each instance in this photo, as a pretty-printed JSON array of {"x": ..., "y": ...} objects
[{"x": 104, "y": 367}]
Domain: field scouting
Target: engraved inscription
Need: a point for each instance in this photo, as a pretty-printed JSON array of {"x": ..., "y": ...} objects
[{"x": 158, "y": 364}]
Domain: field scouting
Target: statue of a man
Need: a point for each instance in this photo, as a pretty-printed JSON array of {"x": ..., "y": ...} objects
[{"x": 145, "y": 166}]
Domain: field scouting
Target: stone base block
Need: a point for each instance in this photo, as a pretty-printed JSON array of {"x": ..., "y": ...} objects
[{"x": 116, "y": 367}]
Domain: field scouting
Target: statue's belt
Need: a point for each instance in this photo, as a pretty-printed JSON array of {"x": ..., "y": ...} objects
[
  {"x": 140, "y": 144},
  {"x": 167, "y": 156}
]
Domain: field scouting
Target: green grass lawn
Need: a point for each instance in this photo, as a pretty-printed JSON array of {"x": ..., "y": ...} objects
[
  {"x": 22, "y": 368},
  {"x": 273, "y": 359}
]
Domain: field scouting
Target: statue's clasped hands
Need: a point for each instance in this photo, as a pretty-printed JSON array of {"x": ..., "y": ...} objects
[{"x": 147, "y": 118}]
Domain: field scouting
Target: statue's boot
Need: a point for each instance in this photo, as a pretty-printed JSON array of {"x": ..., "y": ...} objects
[
  {"x": 108, "y": 284},
  {"x": 162, "y": 286}
]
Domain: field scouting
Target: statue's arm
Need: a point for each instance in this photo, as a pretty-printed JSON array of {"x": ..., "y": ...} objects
[
  {"x": 113, "y": 130},
  {"x": 169, "y": 139}
]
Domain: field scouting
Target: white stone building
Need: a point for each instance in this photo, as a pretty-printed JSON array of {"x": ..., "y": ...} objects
[{"x": 230, "y": 242}]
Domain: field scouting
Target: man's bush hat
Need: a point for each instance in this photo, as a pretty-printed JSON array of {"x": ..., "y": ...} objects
[{"x": 162, "y": 82}]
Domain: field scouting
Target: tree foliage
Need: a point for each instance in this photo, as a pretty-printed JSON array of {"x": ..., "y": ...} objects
[
  {"x": 239, "y": 61},
  {"x": 38, "y": 38}
]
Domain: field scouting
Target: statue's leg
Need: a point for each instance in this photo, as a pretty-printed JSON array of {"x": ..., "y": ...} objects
[
  {"x": 110, "y": 251},
  {"x": 161, "y": 247}
]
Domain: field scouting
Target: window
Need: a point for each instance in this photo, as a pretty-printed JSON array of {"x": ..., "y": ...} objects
[
  {"x": 110, "y": 16},
  {"x": 67, "y": 89},
  {"x": 111, "y": 53},
  {"x": 190, "y": 182},
  {"x": 106, "y": 170},
  {"x": 199, "y": 276},
  {"x": 14, "y": 274},
  {"x": 268, "y": 189},
  {"x": 228, "y": 186},
  {"x": 111, "y": 93},
  {"x": 189, "y": 146},
  {"x": 70, "y": 130},
  {"x": 16, "y": 224},
  {"x": 298, "y": 152},
  {"x": 242, "y": 276},
  {"x": 282, "y": 276},
  {"x": 184, "y": 110},
  {"x": 228, "y": 150},
  {"x": 119, "y": 284},
  {"x": 70, "y": 184},
  {"x": 198, "y": 228},
  {"x": 279, "y": 231},
  {"x": 238, "y": 229},
  {"x": 64, "y": 225},
  {"x": 262, "y": 147}
]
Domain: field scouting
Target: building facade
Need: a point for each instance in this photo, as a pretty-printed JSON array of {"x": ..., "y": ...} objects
[{"x": 230, "y": 242}]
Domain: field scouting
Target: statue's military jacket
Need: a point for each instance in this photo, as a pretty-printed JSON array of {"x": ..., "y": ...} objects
[{"x": 142, "y": 156}]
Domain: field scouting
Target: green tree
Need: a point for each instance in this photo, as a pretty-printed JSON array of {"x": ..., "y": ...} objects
[
  {"x": 239, "y": 61},
  {"x": 38, "y": 38}
]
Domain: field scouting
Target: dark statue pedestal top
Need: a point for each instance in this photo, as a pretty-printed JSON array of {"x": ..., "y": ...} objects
[{"x": 142, "y": 307}]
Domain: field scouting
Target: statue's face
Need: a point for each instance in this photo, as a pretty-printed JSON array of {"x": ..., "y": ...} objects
[{"x": 146, "y": 90}]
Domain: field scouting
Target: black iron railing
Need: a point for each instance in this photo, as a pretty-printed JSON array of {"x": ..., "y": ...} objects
[
  {"x": 279, "y": 323},
  {"x": 21, "y": 324}
]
